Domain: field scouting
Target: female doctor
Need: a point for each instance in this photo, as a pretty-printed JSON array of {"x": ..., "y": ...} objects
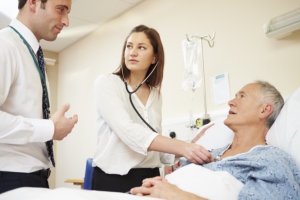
[{"x": 129, "y": 145}]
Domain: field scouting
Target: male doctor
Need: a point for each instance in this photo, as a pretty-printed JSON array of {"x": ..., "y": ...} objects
[{"x": 26, "y": 127}]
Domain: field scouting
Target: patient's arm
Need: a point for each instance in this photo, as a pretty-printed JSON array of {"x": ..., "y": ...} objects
[
  {"x": 199, "y": 135},
  {"x": 191, "y": 151},
  {"x": 160, "y": 188}
]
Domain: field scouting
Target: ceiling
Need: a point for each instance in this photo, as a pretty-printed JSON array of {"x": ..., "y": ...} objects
[{"x": 85, "y": 16}]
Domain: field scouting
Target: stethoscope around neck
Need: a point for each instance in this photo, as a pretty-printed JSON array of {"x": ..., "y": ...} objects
[{"x": 134, "y": 91}]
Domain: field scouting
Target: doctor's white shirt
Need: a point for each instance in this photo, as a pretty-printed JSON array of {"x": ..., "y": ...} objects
[
  {"x": 23, "y": 132},
  {"x": 123, "y": 138}
]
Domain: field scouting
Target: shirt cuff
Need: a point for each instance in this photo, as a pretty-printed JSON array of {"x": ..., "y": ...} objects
[
  {"x": 167, "y": 158},
  {"x": 148, "y": 143},
  {"x": 43, "y": 130}
]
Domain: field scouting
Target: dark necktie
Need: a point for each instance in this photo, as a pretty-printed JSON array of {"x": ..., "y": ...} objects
[{"x": 46, "y": 106}]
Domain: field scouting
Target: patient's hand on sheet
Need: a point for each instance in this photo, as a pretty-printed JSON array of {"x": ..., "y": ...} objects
[
  {"x": 202, "y": 132},
  {"x": 160, "y": 188}
]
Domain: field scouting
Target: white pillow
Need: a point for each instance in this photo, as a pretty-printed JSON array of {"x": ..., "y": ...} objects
[
  {"x": 217, "y": 136},
  {"x": 285, "y": 132}
]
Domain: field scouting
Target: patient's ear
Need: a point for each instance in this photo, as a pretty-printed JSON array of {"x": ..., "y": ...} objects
[{"x": 266, "y": 110}]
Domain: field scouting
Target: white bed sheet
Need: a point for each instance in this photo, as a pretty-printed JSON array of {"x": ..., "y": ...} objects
[
  {"x": 215, "y": 185},
  {"x": 191, "y": 178},
  {"x": 29, "y": 193}
]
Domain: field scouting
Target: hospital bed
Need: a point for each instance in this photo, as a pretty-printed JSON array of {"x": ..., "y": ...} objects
[{"x": 285, "y": 134}]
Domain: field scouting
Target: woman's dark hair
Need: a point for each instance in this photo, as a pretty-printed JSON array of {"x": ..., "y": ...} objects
[
  {"x": 156, "y": 77},
  {"x": 23, "y": 2}
]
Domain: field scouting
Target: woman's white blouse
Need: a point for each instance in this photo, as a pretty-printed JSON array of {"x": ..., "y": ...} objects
[{"x": 123, "y": 138}]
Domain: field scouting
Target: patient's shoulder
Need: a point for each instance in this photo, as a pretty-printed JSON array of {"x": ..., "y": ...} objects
[
  {"x": 269, "y": 151},
  {"x": 274, "y": 155}
]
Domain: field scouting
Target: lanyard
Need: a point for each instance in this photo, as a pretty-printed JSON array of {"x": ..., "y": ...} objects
[{"x": 35, "y": 61}]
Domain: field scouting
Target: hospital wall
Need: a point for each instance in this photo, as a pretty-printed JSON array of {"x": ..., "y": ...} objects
[
  {"x": 52, "y": 74},
  {"x": 241, "y": 49}
]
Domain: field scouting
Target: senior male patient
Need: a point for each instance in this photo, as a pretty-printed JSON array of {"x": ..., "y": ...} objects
[{"x": 266, "y": 171}]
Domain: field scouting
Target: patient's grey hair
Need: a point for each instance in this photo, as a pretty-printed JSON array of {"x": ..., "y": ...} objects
[{"x": 273, "y": 96}]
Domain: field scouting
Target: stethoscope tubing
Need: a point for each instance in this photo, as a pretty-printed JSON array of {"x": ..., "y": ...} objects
[
  {"x": 137, "y": 112},
  {"x": 134, "y": 91}
]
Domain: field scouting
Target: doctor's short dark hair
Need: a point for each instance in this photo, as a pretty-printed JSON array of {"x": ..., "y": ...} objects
[
  {"x": 23, "y": 2},
  {"x": 156, "y": 78}
]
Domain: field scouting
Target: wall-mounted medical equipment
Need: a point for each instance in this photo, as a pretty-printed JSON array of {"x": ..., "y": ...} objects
[
  {"x": 194, "y": 71},
  {"x": 283, "y": 25}
]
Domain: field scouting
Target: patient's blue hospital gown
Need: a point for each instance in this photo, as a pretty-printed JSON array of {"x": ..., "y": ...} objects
[{"x": 267, "y": 172}]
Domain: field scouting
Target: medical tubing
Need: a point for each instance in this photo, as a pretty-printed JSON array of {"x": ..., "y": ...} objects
[
  {"x": 137, "y": 112},
  {"x": 148, "y": 75},
  {"x": 136, "y": 89}
]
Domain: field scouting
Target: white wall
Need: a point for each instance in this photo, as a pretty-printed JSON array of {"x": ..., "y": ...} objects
[
  {"x": 52, "y": 74},
  {"x": 241, "y": 49}
]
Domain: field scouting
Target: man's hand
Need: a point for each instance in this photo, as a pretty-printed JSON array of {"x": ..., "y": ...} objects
[
  {"x": 62, "y": 125},
  {"x": 155, "y": 187},
  {"x": 161, "y": 188}
]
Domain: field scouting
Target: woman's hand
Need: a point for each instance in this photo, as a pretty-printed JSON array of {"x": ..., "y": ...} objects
[
  {"x": 196, "y": 154},
  {"x": 191, "y": 151}
]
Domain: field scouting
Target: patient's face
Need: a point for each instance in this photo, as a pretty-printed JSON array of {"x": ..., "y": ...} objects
[{"x": 245, "y": 107}]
